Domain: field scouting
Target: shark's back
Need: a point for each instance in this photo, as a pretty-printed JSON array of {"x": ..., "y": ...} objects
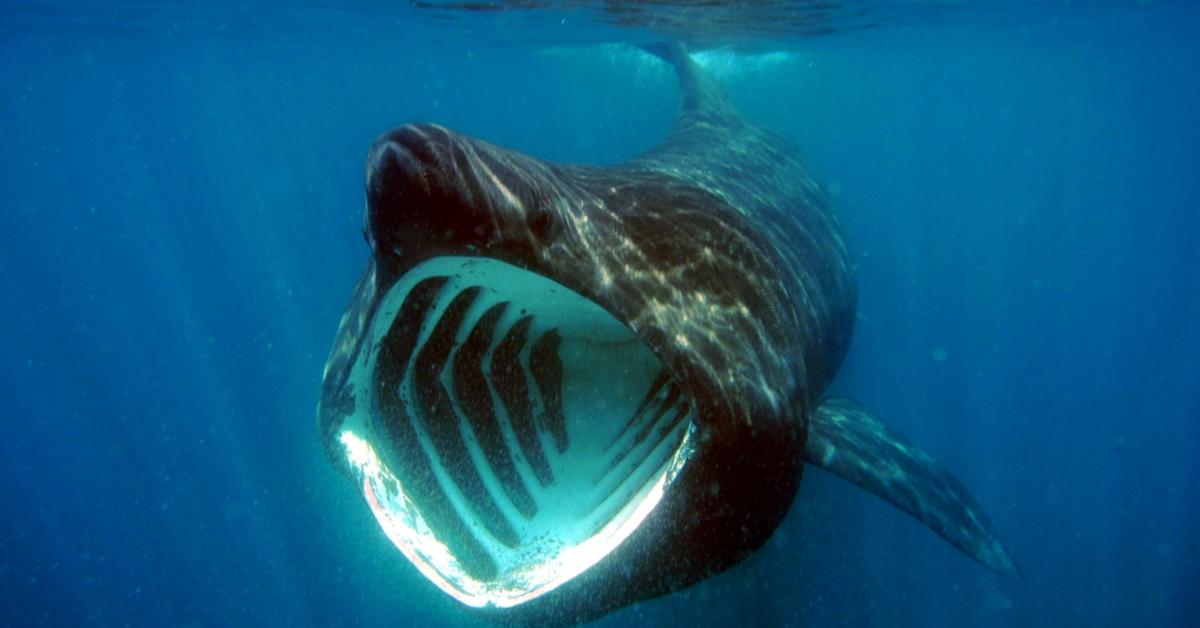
[{"x": 732, "y": 208}]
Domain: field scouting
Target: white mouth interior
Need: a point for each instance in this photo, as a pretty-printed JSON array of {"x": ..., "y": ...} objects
[{"x": 516, "y": 432}]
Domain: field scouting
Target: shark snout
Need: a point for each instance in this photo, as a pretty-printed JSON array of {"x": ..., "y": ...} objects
[{"x": 418, "y": 196}]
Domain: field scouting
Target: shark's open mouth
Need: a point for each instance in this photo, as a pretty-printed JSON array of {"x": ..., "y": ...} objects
[{"x": 516, "y": 432}]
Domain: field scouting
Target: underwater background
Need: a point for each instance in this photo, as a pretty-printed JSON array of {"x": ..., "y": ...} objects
[{"x": 181, "y": 227}]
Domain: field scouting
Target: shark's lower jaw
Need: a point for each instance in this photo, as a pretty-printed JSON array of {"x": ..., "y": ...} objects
[{"x": 516, "y": 432}]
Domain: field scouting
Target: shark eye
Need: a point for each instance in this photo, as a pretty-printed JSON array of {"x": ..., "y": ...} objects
[
  {"x": 542, "y": 224},
  {"x": 517, "y": 432}
]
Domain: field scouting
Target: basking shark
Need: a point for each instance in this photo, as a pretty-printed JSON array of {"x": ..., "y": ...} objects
[{"x": 563, "y": 389}]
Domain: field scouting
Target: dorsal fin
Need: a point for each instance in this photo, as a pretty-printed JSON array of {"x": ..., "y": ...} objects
[{"x": 701, "y": 99}]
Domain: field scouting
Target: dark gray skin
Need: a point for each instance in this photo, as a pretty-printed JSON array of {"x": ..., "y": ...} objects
[{"x": 719, "y": 250}]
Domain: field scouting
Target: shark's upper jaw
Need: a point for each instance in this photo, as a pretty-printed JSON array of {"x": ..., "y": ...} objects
[{"x": 509, "y": 433}]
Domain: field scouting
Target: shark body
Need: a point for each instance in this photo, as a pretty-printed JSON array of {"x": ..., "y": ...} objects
[{"x": 563, "y": 389}]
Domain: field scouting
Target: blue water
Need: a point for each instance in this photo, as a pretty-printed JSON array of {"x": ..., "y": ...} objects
[{"x": 180, "y": 228}]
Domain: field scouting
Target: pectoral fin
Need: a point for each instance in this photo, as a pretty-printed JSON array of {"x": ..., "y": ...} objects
[{"x": 847, "y": 441}]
